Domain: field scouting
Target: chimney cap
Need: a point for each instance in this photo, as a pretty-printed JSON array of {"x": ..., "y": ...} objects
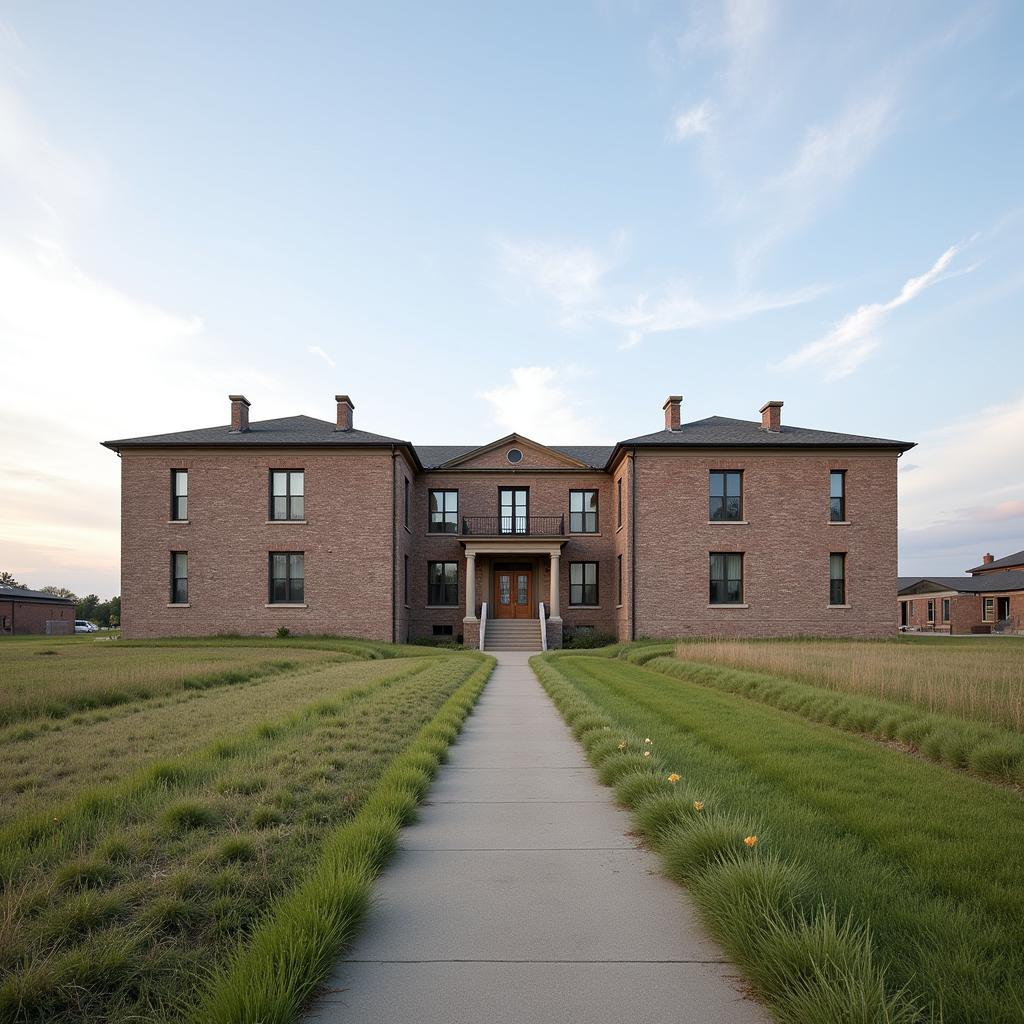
[
  {"x": 774, "y": 404},
  {"x": 239, "y": 398},
  {"x": 672, "y": 399},
  {"x": 345, "y": 398}
]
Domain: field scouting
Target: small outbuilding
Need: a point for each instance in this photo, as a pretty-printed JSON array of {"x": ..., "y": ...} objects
[{"x": 31, "y": 611}]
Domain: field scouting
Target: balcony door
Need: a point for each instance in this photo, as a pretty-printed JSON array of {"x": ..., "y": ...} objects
[
  {"x": 514, "y": 509},
  {"x": 513, "y": 592}
]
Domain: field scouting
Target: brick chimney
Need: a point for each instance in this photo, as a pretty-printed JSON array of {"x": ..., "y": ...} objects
[
  {"x": 771, "y": 416},
  {"x": 239, "y": 413},
  {"x": 672, "y": 407},
  {"x": 345, "y": 410},
  {"x": 987, "y": 559}
]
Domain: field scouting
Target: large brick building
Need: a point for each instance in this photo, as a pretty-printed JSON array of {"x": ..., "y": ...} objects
[
  {"x": 989, "y": 599},
  {"x": 717, "y": 527}
]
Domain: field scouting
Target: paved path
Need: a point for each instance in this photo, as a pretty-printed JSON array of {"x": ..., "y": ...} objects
[{"x": 519, "y": 898}]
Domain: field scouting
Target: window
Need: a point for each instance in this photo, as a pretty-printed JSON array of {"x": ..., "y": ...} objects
[
  {"x": 989, "y": 606},
  {"x": 725, "y": 503},
  {"x": 837, "y": 496},
  {"x": 179, "y": 577},
  {"x": 514, "y": 455},
  {"x": 583, "y": 511},
  {"x": 945, "y": 609},
  {"x": 931, "y": 611},
  {"x": 444, "y": 512},
  {"x": 514, "y": 505},
  {"x": 287, "y": 494},
  {"x": 405, "y": 507},
  {"x": 583, "y": 583},
  {"x": 618, "y": 580},
  {"x": 405, "y": 580},
  {"x": 618, "y": 502},
  {"x": 179, "y": 494},
  {"x": 837, "y": 578},
  {"x": 442, "y": 630},
  {"x": 443, "y": 583},
  {"x": 287, "y": 577},
  {"x": 726, "y": 577}
]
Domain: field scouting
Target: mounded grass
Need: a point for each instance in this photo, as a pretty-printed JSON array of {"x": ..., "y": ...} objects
[
  {"x": 987, "y": 751},
  {"x": 877, "y": 887},
  {"x": 119, "y": 903},
  {"x": 974, "y": 678}
]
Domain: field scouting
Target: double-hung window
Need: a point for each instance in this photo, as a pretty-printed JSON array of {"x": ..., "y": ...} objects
[
  {"x": 287, "y": 577},
  {"x": 443, "y": 583},
  {"x": 618, "y": 502},
  {"x": 179, "y": 494},
  {"x": 931, "y": 611},
  {"x": 945, "y": 609},
  {"x": 444, "y": 512},
  {"x": 618, "y": 579},
  {"x": 287, "y": 494},
  {"x": 725, "y": 495},
  {"x": 837, "y": 496},
  {"x": 726, "y": 577},
  {"x": 583, "y": 511},
  {"x": 583, "y": 583},
  {"x": 837, "y": 578},
  {"x": 179, "y": 577}
]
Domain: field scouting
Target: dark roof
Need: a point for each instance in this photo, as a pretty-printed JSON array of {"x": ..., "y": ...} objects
[
  {"x": 907, "y": 581},
  {"x": 434, "y": 455},
  {"x": 287, "y": 430},
  {"x": 721, "y": 430},
  {"x": 1017, "y": 558},
  {"x": 22, "y": 594},
  {"x": 997, "y": 581}
]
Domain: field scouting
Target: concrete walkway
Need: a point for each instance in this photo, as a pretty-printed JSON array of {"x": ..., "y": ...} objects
[{"x": 518, "y": 896}]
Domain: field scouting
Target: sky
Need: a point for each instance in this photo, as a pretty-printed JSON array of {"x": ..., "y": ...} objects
[{"x": 478, "y": 218}]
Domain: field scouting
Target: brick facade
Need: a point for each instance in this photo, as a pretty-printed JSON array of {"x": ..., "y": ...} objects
[{"x": 19, "y": 618}]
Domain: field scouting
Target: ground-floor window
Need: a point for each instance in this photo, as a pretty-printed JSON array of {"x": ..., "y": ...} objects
[
  {"x": 443, "y": 630},
  {"x": 443, "y": 583},
  {"x": 837, "y": 578},
  {"x": 989, "y": 608},
  {"x": 582, "y": 583},
  {"x": 179, "y": 577},
  {"x": 945, "y": 609},
  {"x": 726, "y": 577},
  {"x": 287, "y": 577},
  {"x": 931, "y": 611}
]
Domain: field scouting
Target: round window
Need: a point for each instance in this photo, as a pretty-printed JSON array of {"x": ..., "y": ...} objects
[{"x": 514, "y": 455}]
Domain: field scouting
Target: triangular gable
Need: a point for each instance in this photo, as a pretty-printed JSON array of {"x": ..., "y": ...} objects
[
  {"x": 928, "y": 587},
  {"x": 494, "y": 455}
]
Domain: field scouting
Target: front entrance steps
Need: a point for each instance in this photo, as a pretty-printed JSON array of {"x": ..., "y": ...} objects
[{"x": 512, "y": 635}]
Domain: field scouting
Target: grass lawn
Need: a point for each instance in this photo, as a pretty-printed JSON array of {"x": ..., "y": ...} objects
[
  {"x": 165, "y": 854},
  {"x": 880, "y": 887}
]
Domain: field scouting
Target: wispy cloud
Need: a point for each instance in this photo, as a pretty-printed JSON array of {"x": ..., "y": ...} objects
[
  {"x": 697, "y": 120},
  {"x": 570, "y": 275},
  {"x": 316, "y": 350},
  {"x": 856, "y": 336},
  {"x": 538, "y": 403}
]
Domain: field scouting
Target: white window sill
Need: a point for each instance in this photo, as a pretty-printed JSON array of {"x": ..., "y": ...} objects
[
  {"x": 728, "y": 522},
  {"x": 839, "y": 522},
  {"x": 283, "y": 604},
  {"x": 582, "y": 533},
  {"x": 728, "y": 605},
  {"x": 174, "y": 605},
  {"x": 585, "y": 607},
  {"x": 286, "y": 522},
  {"x": 441, "y": 607},
  {"x": 179, "y": 522},
  {"x": 840, "y": 606}
]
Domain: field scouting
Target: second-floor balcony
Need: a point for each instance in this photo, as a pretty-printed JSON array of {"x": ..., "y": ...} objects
[{"x": 513, "y": 526}]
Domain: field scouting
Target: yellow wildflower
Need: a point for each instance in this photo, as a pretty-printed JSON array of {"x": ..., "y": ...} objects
[
  {"x": 647, "y": 753},
  {"x": 751, "y": 840},
  {"x": 622, "y": 745},
  {"x": 648, "y": 741},
  {"x": 673, "y": 778},
  {"x": 698, "y": 805}
]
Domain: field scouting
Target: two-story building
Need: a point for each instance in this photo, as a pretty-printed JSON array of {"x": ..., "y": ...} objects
[{"x": 720, "y": 527}]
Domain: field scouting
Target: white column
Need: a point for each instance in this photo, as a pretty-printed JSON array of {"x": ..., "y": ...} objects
[
  {"x": 556, "y": 562},
  {"x": 470, "y": 584}
]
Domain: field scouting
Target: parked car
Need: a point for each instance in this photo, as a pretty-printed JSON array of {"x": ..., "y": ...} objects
[{"x": 85, "y": 626}]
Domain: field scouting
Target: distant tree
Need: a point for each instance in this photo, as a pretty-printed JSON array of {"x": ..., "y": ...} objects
[
  {"x": 60, "y": 592},
  {"x": 7, "y": 580},
  {"x": 108, "y": 613},
  {"x": 85, "y": 608}
]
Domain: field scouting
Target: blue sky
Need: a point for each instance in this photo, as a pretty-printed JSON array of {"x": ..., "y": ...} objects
[{"x": 478, "y": 218}]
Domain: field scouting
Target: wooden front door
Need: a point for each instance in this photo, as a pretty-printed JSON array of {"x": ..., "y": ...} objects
[{"x": 513, "y": 593}]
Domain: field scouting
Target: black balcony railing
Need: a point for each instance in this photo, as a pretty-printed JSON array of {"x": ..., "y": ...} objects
[{"x": 513, "y": 526}]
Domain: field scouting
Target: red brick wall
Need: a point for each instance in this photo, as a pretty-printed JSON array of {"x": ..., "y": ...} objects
[
  {"x": 346, "y": 540},
  {"x": 786, "y": 545},
  {"x": 25, "y": 617}
]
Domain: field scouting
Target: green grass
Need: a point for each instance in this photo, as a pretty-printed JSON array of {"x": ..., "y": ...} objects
[
  {"x": 120, "y": 901},
  {"x": 881, "y": 887},
  {"x": 986, "y": 751}
]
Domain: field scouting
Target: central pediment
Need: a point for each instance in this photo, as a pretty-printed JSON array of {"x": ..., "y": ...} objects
[{"x": 513, "y": 452}]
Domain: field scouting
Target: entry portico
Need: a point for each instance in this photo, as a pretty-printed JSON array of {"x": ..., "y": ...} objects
[{"x": 508, "y": 575}]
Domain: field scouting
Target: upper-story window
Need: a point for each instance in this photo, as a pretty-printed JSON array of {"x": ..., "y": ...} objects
[
  {"x": 179, "y": 494},
  {"x": 618, "y": 502},
  {"x": 287, "y": 494},
  {"x": 444, "y": 512},
  {"x": 583, "y": 511},
  {"x": 514, "y": 509},
  {"x": 726, "y": 577},
  {"x": 837, "y": 496},
  {"x": 725, "y": 489},
  {"x": 405, "y": 513}
]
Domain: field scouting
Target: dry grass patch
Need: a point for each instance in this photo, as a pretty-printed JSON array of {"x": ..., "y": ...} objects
[{"x": 974, "y": 678}]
